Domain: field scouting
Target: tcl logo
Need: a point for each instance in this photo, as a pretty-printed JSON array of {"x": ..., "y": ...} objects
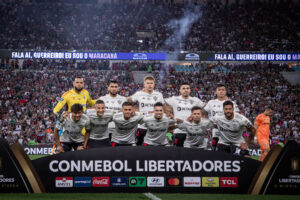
[{"x": 229, "y": 182}]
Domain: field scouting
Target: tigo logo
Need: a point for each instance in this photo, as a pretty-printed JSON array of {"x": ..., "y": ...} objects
[
  {"x": 64, "y": 182},
  {"x": 100, "y": 181},
  {"x": 119, "y": 181},
  {"x": 138, "y": 181},
  {"x": 228, "y": 182},
  {"x": 82, "y": 181},
  {"x": 173, "y": 181},
  {"x": 210, "y": 181},
  {"x": 191, "y": 181},
  {"x": 158, "y": 181}
]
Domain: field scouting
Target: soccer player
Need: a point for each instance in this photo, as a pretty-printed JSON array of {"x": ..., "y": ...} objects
[
  {"x": 77, "y": 95},
  {"x": 126, "y": 126},
  {"x": 231, "y": 126},
  {"x": 146, "y": 99},
  {"x": 113, "y": 101},
  {"x": 214, "y": 107},
  {"x": 182, "y": 106},
  {"x": 157, "y": 125},
  {"x": 262, "y": 125},
  {"x": 71, "y": 127},
  {"x": 196, "y": 130},
  {"x": 99, "y": 122}
]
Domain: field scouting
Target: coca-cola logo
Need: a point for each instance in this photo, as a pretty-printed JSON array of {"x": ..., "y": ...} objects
[{"x": 100, "y": 181}]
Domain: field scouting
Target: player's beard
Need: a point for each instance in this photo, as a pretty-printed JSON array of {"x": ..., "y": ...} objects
[
  {"x": 229, "y": 115},
  {"x": 113, "y": 94},
  {"x": 77, "y": 90}
]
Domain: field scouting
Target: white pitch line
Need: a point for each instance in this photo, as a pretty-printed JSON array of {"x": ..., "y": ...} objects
[{"x": 151, "y": 196}]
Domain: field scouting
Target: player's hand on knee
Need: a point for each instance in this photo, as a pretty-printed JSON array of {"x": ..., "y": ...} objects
[
  {"x": 79, "y": 148},
  {"x": 60, "y": 149}
]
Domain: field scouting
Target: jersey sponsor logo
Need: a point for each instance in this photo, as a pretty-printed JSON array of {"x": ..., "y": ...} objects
[
  {"x": 138, "y": 181},
  {"x": 155, "y": 181},
  {"x": 119, "y": 181},
  {"x": 82, "y": 181},
  {"x": 64, "y": 182},
  {"x": 191, "y": 181},
  {"x": 100, "y": 181},
  {"x": 228, "y": 182},
  {"x": 147, "y": 105},
  {"x": 210, "y": 181},
  {"x": 183, "y": 109},
  {"x": 174, "y": 181}
]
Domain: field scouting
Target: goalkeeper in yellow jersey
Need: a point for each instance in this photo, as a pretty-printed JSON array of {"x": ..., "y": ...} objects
[{"x": 77, "y": 95}]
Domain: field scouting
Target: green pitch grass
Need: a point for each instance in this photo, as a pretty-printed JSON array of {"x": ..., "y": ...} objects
[
  {"x": 140, "y": 196},
  {"x": 33, "y": 157}
]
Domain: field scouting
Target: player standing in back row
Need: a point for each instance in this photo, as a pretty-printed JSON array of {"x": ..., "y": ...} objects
[
  {"x": 214, "y": 107},
  {"x": 113, "y": 101},
  {"x": 182, "y": 106},
  {"x": 146, "y": 99}
]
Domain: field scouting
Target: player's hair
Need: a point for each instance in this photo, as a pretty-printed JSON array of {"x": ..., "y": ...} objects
[
  {"x": 149, "y": 78},
  {"x": 220, "y": 85},
  {"x": 75, "y": 108},
  {"x": 226, "y": 103},
  {"x": 158, "y": 104},
  {"x": 78, "y": 76},
  {"x": 99, "y": 101},
  {"x": 184, "y": 83},
  {"x": 195, "y": 108},
  {"x": 126, "y": 103},
  {"x": 112, "y": 81},
  {"x": 269, "y": 108}
]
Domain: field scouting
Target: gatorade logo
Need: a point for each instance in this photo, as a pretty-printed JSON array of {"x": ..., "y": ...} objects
[
  {"x": 228, "y": 182},
  {"x": 173, "y": 181},
  {"x": 210, "y": 181}
]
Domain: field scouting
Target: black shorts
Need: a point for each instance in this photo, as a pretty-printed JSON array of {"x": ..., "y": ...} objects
[
  {"x": 179, "y": 139},
  {"x": 98, "y": 143},
  {"x": 114, "y": 144},
  {"x": 232, "y": 149},
  {"x": 140, "y": 136},
  {"x": 68, "y": 146}
]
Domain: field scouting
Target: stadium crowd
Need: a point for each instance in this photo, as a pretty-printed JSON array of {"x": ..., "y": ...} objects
[
  {"x": 46, "y": 25},
  {"x": 27, "y": 97}
]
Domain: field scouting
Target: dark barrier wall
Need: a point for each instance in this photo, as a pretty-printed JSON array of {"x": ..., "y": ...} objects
[{"x": 140, "y": 169}]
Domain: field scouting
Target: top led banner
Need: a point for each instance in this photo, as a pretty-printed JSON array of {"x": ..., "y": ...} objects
[{"x": 87, "y": 55}]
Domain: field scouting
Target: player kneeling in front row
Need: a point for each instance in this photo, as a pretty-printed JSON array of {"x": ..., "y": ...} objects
[
  {"x": 231, "y": 126},
  {"x": 126, "y": 126},
  {"x": 71, "y": 127},
  {"x": 157, "y": 125},
  {"x": 196, "y": 129},
  {"x": 99, "y": 120}
]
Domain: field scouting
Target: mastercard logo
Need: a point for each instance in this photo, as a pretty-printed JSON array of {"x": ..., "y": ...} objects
[{"x": 174, "y": 181}]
